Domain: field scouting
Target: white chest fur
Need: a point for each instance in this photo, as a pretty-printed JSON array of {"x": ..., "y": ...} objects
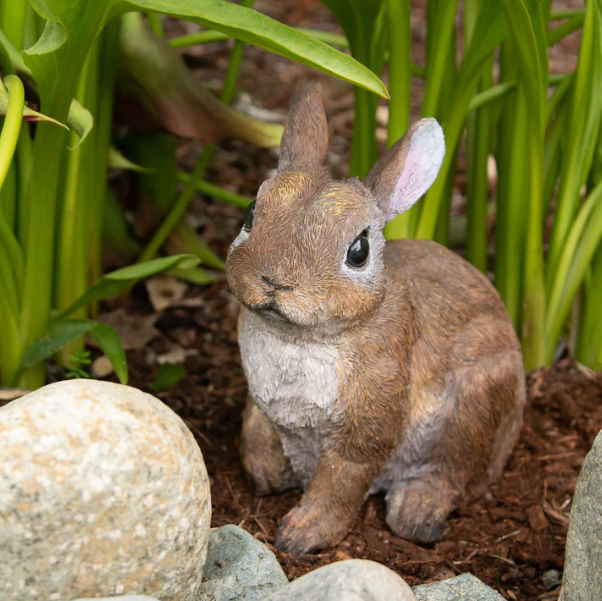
[{"x": 294, "y": 382}]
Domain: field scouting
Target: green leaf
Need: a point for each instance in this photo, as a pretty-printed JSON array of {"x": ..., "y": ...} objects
[
  {"x": 117, "y": 281},
  {"x": 167, "y": 375},
  {"x": 59, "y": 334},
  {"x": 28, "y": 114},
  {"x": 527, "y": 25},
  {"x": 118, "y": 161},
  {"x": 63, "y": 331},
  {"x": 110, "y": 344},
  {"x": 80, "y": 119},
  {"x": 581, "y": 134},
  {"x": 157, "y": 92},
  {"x": 254, "y": 28}
]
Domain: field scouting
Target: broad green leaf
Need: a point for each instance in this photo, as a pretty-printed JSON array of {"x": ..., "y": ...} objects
[
  {"x": 167, "y": 375},
  {"x": 80, "y": 119},
  {"x": 118, "y": 161},
  {"x": 28, "y": 114},
  {"x": 59, "y": 334},
  {"x": 110, "y": 344},
  {"x": 197, "y": 276},
  {"x": 117, "y": 281},
  {"x": 254, "y": 28},
  {"x": 157, "y": 92}
]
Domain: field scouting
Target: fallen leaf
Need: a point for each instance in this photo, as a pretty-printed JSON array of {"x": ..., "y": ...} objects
[
  {"x": 135, "y": 331},
  {"x": 163, "y": 290}
]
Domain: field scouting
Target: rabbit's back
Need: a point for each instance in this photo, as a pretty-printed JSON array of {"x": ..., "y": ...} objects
[{"x": 446, "y": 288}]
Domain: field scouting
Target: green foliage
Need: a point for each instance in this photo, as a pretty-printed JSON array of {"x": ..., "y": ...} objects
[
  {"x": 540, "y": 140},
  {"x": 74, "y": 367},
  {"x": 55, "y": 181},
  {"x": 167, "y": 375}
]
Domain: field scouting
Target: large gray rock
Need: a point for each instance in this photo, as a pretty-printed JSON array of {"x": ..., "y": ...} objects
[
  {"x": 582, "y": 578},
  {"x": 351, "y": 580},
  {"x": 239, "y": 567},
  {"x": 103, "y": 492},
  {"x": 461, "y": 588}
]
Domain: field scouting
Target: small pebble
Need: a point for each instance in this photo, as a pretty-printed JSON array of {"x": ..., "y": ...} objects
[
  {"x": 530, "y": 572},
  {"x": 550, "y": 579}
]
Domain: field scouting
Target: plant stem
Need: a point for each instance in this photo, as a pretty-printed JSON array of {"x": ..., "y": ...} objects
[
  {"x": 560, "y": 32},
  {"x": 73, "y": 245},
  {"x": 180, "y": 206},
  {"x": 478, "y": 146},
  {"x": 12, "y": 123},
  {"x": 217, "y": 192},
  {"x": 400, "y": 55},
  {"x": 101, "y": 141},
  {"x": 13, "y": 14},
  {"x": 155, "y": 24}
]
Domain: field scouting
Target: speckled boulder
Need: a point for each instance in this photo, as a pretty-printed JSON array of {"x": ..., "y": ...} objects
[
  {"x": 465, "y": 587},
  {"x": 103, "y": 492}
]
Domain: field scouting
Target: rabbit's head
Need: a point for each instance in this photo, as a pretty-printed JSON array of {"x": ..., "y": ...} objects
[{"x": 310, "y": 252}]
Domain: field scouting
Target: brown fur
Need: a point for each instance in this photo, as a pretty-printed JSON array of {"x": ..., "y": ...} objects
[{"x": 427, "y": 338}]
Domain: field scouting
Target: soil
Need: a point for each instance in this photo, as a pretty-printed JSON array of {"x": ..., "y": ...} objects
[{"x": 510, "y": 537}]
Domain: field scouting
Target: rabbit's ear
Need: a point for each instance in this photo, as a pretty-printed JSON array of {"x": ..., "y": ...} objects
[
  {"x": 407, "y": 170},
  {"x": 305, "y": 136}
]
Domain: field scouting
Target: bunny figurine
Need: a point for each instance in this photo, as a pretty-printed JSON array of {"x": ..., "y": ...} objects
[{"x": 372, "y": 367}]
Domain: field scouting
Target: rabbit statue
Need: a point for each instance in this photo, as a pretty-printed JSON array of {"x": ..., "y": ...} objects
[{"x": 371, "y": 367}]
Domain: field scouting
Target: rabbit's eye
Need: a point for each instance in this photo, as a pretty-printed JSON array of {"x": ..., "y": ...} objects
[
  {"x": 249, "y": 214},
  {"x": 358, "y": 252}
]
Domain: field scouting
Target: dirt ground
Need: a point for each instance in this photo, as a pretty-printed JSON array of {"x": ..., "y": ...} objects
[{"x": 511, "y": 536}]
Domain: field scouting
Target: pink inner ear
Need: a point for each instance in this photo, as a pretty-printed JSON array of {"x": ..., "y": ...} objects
[{"x": 421, "y": 167}]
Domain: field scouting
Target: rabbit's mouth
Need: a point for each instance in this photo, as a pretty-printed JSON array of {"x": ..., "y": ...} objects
[{"x": 271, "y": 311}]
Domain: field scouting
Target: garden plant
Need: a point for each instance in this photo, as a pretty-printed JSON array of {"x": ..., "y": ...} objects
[{"x": 53, "y": 183}]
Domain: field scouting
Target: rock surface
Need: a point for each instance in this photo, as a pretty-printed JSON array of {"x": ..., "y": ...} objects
[
  {"x": 239, "y": 567},
  {"x": 582, "y": 578},
  {"x": 103, "y": 492},
  {"x": 465, "y": 587},
  {"x": 351, "y": 580}
]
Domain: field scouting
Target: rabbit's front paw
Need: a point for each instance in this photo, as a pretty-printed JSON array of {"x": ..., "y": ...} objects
[{"x": 307, "y": 528}]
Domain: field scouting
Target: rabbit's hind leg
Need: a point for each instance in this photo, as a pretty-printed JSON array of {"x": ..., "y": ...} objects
[
  {"x": 267, "y": 469},
  {"x": 417, "y": 509},
  {"x": 480, "y": 422}
]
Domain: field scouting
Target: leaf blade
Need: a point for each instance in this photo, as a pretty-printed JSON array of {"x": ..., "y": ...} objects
[{"x": 259, "y": 30}]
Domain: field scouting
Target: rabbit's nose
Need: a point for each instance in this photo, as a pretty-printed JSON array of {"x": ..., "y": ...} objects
[{"x": 273, "y": 284}]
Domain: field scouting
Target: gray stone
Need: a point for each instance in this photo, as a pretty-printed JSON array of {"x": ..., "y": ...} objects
[
  {"x": 550, "y": 579},
  {"x": 103, "y": 492},
  {"x": 465, "y": 587},
  {"x": 351, "y": 580},
  {"x": 239, "y": 567},
  {"x": 582, "y": 577}
]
